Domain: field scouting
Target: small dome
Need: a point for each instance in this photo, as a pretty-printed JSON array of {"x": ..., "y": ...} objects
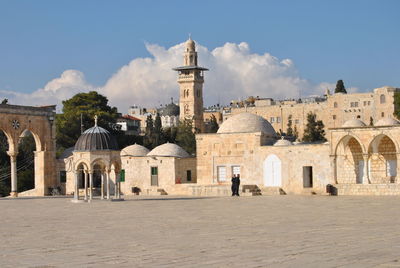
[
  {"x": 134, "y": 150},
  {"x": 190, "y": 45},
  {"x": 168, "y": 149},
  {"x": 246, "y": 123},
  {"x": 282, "y": 142},
  {"x": 96, "y": 139},
  {"x": 387, "y": 122},
  {"x": 169, "y": 110},
  {"x": 354, "y": 123},
  {"x": 67, "y": 153}
]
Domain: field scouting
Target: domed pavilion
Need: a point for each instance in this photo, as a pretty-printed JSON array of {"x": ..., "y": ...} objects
[{"x": 96, "y": 164}]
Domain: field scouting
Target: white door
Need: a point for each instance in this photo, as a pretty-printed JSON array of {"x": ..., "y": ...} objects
[
  {"x": 391, "y": 168},
  {"x": 360, "y": 175},
  {"x": 272, "y": 171}
]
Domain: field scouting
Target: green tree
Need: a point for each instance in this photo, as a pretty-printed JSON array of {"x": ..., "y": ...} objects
[
  {"x": 185, "y": 136},
  {"x": 314, "y": 130},
  {"x": 396, "y": 102},
  {"x": 68, "y": 124},
  {"x": 148, "y": 136},
  {"x": 340, "y": 87},
  {"x": 157, "y": 135},
  {"x": 295, "y": 132},
  {"x": 289, "y": 130},
  {"x": 213, "y": 125}
]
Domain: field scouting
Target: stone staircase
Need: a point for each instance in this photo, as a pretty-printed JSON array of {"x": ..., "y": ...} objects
[{"x": 271, "y": 191}]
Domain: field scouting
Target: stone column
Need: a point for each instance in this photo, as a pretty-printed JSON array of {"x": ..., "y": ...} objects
[
  {"x": 365, "y": 179},
  {"x": 397, "y": 180},
  {"x": 333, "y": 168},
  {"x": 102, "y": 186},
  {"x": 76, "y": 191},
  {"x": 86, "y": 185},
  {"x": 13, "y": 161},
  {"x": 116, "y": 192},
  {"x": 90, "y": 185},
  {"x": 108, "y": 184}
]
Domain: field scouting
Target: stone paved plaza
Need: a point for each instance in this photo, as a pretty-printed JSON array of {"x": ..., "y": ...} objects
[{"x": 265, "y": 231}]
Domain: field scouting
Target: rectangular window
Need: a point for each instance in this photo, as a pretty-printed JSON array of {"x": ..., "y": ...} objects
[
  {"x": 307, "y": 177},
  {"x": 122, "y": 175},
  {"x": 278, "y": 119},
  {"x": 154, "y": 176},
  {"x": 296, "y": 121},
  {"x": 334, "y": 117},
  {"x": 351, "y": 104},
  {"x": 272, "y": 119},
  {"x": 369, "y": 102},
  {"x": 235, "y": 170},
  {"x": 63, "y": 176},
  {"x": 188, "y": 175},
  {"x": 356, "y": 104},
  {"x": 221, "y": 172}
]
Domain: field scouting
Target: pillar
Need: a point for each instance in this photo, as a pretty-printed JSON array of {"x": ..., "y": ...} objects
[
  {"x": 397, "y": 180},
  {"x": 86, "y": 186},
  {"x": 108, "y": 184},
  {"x": 76, "y": 186},
  {"x": 365, "y": 178},
  {"x": 116, "y": 192},
  {"x": 13, "y": 161},
  {"x": 102, "y": 186},
  {"x": 90, "y": 185},
  {"x": 333, "y": 168}
]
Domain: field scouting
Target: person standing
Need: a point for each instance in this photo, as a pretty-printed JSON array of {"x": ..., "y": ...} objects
[
  {"x": 233, "y": 187},
  {"x": 237, "y": 184}
]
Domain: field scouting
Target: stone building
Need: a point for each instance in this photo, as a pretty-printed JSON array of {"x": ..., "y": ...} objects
[
  {"x": 169, "y": 115},
  {"x": 162, "y": 170},
  {"x": 334, "y": 110}
]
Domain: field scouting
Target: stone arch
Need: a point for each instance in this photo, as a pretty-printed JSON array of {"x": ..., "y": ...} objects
[
  {"x": 83, "y": 163},
  {"x": 349, "y": 160},
  {"x": 36, "y": 137},
  {"x": 10, "y": 140},
  {"x": 382, "y": 159},
  {"x": 272, "y": 171}
]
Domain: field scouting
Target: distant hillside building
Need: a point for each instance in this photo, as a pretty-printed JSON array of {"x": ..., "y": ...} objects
[{"x": 334, "y": 110}]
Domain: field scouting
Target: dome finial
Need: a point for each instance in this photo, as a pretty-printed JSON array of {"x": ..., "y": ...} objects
[
  {"x": 190, "y": 36},
  {"x": 95, "y": 120}
]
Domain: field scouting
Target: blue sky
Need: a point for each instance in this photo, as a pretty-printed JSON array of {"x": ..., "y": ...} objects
[{"x": 357, "y": 41}]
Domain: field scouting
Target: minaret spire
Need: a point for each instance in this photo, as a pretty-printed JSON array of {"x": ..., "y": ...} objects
[{"x": 95, "y": 120}]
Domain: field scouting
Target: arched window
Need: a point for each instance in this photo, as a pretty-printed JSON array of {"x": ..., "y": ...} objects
[
  {"x": 335, "y": 104},
  {"x": 382, "y": 98}
]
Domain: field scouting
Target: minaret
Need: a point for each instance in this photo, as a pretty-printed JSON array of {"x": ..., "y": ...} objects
[{"x": 191, "y": 79}]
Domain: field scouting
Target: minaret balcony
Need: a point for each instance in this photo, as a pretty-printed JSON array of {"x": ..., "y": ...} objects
[{"x": 191, "y": 77}]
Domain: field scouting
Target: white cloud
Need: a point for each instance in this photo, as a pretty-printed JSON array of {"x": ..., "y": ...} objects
[{"x": 234, "y": 73}]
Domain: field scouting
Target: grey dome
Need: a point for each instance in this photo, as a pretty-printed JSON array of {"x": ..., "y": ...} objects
[
  {"x": 168, "y": 149},
  {"x": 135, "y": 150},
  {"x": 169, "y": 110},
  {"x": 354, "y": 123},
  {"x": 246, "y": 123},
  {"x": 96, "y": 139},
  {"x": 387, "y": 122}
]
